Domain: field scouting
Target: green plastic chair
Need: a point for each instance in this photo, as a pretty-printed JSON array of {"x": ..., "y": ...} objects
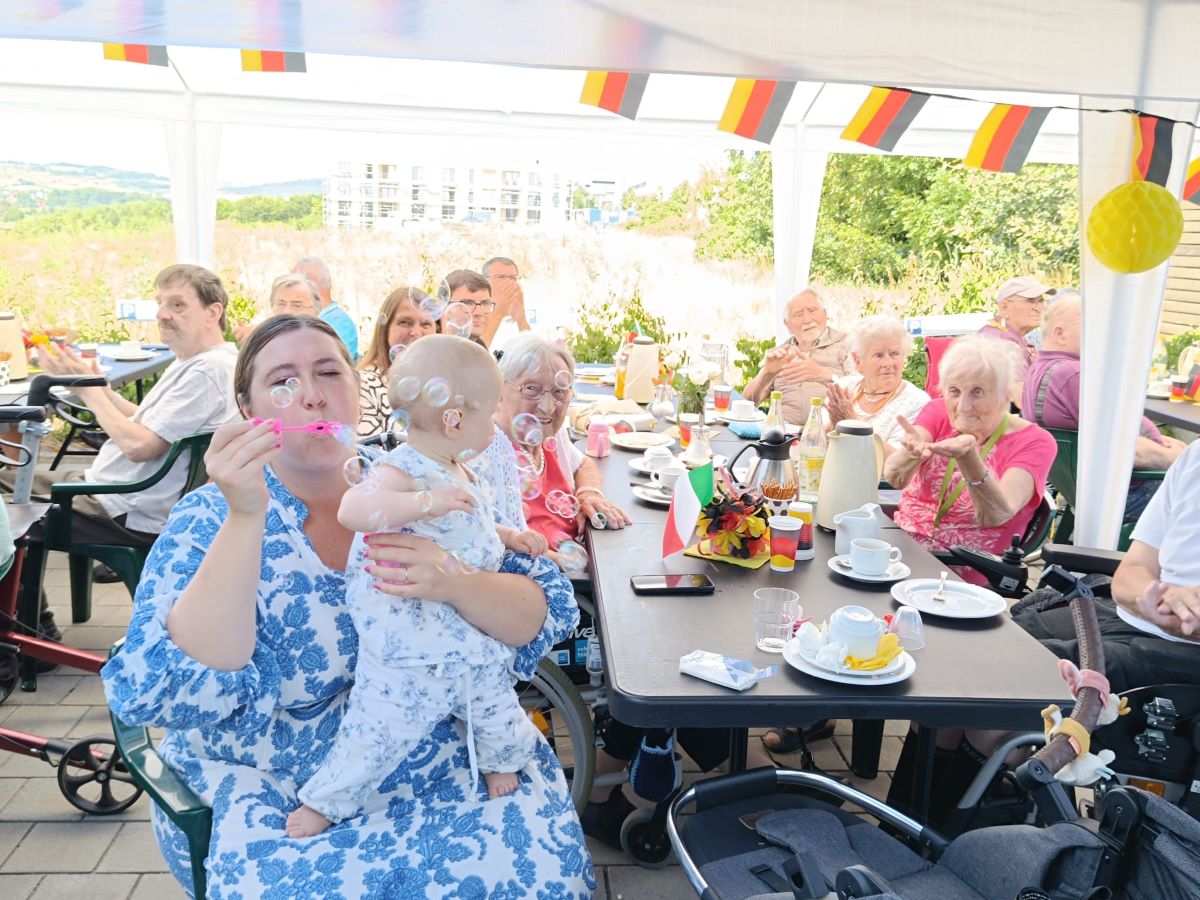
[
  {"x": 126, "y": 561},
  {"x": 167, "y": 790},
  {"x": 1063, "y": 476}
]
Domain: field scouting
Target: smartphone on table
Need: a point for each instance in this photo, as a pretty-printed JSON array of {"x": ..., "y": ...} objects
[{"x": 672, "y": 584}]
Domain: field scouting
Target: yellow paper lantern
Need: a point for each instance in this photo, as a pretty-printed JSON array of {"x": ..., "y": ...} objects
[{"x": 1135, "y": 227}]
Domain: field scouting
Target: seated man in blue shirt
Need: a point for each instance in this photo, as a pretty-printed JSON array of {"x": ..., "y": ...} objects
[{"x": 314, "y": 269}]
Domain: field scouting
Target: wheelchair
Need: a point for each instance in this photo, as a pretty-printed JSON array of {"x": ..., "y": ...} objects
[{"x": 751, "y": 835}]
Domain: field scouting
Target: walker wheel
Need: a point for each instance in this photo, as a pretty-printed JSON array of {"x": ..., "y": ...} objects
[
  {"x": 93, "y": 778},
  {"x": 648, "y": 850}
]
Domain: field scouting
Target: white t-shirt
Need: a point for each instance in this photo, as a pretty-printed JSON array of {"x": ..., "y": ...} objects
[
  {"x": 1171, "y": 524},
  {"x": 193, "y": 396},
  {"x": 909, "y": 401}
]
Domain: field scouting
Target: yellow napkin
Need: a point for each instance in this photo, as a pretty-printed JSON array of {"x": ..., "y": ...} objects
[
  {"x": 704, "y": 550},
  {"x": 889, "y": 648}
]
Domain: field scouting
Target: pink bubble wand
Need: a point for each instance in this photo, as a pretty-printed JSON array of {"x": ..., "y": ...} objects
[{"x": 331, "y": 428}]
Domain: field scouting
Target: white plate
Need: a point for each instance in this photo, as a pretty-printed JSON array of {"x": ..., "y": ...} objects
[
  {"x": 652, "y": 496},
  {"x": 638, "y": 463},
  {"x": 1158, "y": 395},
  {"x": 896, "y": 571},
  {"x": 891, "y": 668},
  {"x": 640, "y": 440},
  {"x": 796, "y": 659},
  {"x": 759, "y": 416},
  {"x": 134, "y": 357},
  {"x": 963, "y": 601}
]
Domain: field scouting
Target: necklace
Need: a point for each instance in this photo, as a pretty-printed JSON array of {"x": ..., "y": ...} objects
[
  {"x": 887, "y": 397},
  {"x": 539, "y": 459}
]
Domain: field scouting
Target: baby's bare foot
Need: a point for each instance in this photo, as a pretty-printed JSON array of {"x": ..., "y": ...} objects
[
  {"x": 499, "y": 784},
  {"x": 306, "y": 822}
]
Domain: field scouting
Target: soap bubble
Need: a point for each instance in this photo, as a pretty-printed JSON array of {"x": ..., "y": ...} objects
[
  {"x": 562, "y": 504},
  {"x": 527, "y": 429},
  {"x": 435, "y": 305},
  {"x": 360, "y": 472},
  {"x": 408, "y": 388},
  {"x": 377, "y": 521},
  {"x": 465, "y": 455},
  {"x": 436, "y": 392},
  {"x": 343, "y": 434},
  {"x": 529, "y": 483},
  {"x": 293, "y": 384},
  {"x": 524, "y": 461},
  {"x": 451, "y": 418},
  {"x": 281, "y": 396},
  {"x": 460, "y": 401},
  {"x": 395, "y": 350},
  {"x": 550, "y": 445},
  {"x": 457, "y": 319},
  {"x": 563, "y": 380},
  {"x": 471, "y": 560},
  {"x": 573, "y": 558},
  {"x": 399, "y": 422},
  {"x": 424, "y": 501}
]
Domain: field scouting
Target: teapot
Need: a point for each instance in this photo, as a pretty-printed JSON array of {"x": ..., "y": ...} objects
[
  {"x": 850, "y": 476},
  {"x": 772, "y": 474},
  {"x": 864, "y": 522}
]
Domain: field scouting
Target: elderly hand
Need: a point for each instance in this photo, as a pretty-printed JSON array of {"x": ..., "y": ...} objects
[
  {"x": 235, "y": 460},
  {"x": 954, "y": 447},
  {"x": 840, "y": 403},
  {"x": 57, "y": 360},
  {"x": 913, "y": 442},
  {"x": 774, "y": 360},
  {"x": 799, "y": 370},
  {"x": 591, "y": 503},
  {"x": 1177, "y": 603},
  {"x": 406, "y": 565}
]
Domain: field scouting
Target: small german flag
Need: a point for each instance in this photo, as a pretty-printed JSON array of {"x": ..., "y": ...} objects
[
  {"x": 755, "y": 108},
  {"x": 1191, "y": 188},
  {"x": 618, "y": 92},
  {"x": 146, "y": 54},
  {"x": 1151, "y": 148},
  {"x": 272, "y": 61},
  {"x": 884, "y": 116},
  {"x": 1003, "y": 140}
]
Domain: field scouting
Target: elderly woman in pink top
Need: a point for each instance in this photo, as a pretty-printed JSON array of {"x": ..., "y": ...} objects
[{"x": 973, "y": 473}]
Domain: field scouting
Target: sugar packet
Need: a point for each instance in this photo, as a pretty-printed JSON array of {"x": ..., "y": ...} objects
[{"x": 726, "y": 671}]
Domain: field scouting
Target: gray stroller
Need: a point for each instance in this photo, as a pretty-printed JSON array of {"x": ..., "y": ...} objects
[{"x": 762, "y": 835}]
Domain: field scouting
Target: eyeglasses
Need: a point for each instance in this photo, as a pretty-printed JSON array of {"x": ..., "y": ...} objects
[
  {"x": 535, "y": 392},
  {"x": 485, "y": 305}
]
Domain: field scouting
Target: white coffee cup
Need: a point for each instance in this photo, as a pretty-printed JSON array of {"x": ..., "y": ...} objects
[
  {"x": 742, "y": 409},
  {"x": 654, "y": 458},
  {"x": 858, "y": 629},
  {"x": 131, "y": 348},
  {"x": 666, "y": 477},
  {"x": 869, "y": 556}
]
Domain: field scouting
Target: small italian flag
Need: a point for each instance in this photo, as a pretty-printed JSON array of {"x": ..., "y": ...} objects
[{"x": 691, "y": 495}]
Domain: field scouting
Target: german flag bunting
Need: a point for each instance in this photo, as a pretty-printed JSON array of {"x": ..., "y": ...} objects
[
  {"x": 755, "y": 108},
  {"x": 1003, "y": 141},
  {"x": 1151, "y": 148},
  {"x": 617, "y": 92},
  {"x": 1191, "y": 187},
  {"x": 884, "y": 116},
  {"x": 146, "y": 54},
  {"x": 272, "y": 61}
]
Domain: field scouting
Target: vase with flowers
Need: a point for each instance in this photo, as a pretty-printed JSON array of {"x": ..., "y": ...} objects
[{"x": 691, "y": 383}]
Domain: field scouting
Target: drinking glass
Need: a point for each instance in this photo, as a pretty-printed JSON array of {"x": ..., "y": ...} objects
[{"x": 775, "y": 613}]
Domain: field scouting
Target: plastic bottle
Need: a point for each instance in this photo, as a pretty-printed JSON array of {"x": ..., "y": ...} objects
[
  {"x": 1158, "y": 362},
  {"x": 595, "y": 662},
  {"x": 773, "y": 428},
  {"x": 622, "y": 364},
  {"x": 813, "y": 443}
]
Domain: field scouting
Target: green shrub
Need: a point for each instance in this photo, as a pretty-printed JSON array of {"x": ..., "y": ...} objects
[{"x": 602, "y": 329}]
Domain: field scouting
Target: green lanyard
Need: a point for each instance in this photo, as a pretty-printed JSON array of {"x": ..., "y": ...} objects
[{"x": 945, "y": 502}]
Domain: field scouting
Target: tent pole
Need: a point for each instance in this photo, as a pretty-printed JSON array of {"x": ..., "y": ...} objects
[{"x": 797, "y": 177}]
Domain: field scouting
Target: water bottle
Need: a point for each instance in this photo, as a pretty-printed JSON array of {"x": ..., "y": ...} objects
[{"x": 595, "y": 662}]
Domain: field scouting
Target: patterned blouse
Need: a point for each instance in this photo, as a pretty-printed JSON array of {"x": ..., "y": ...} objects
[{"x": 373, "y": 406}]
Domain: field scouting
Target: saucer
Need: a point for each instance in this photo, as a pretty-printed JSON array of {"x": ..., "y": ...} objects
[
  {"x": 793, "y": 656},
  {"x": 638, "y": 463},
  {"x": 963, "y": 601},
  {"x": 640, "y": 440},
  {"x": 134, "y": 357},
  {"x": 651, "y": 495},
  {"x": 895, "y": 572},
  {"x": 728, "y": 416}
]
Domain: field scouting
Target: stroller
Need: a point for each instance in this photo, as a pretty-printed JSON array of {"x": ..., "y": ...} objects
[{"x": 752, "y": 836}]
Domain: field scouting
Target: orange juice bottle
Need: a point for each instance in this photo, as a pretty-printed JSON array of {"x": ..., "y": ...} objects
[{"x": 622, "y": 364}]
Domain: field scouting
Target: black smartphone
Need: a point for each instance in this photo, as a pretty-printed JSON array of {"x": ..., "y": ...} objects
[{"x": 671, "y": 584}]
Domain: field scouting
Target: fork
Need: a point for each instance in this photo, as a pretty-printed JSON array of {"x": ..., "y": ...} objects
[{"x": 940, "y": 596}]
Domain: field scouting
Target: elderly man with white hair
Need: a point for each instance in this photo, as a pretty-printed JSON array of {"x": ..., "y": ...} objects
[
  {"x": 878, "y": 393},
  {"x": 315, "y": 270},
  {"x": 804, "y": 365}
]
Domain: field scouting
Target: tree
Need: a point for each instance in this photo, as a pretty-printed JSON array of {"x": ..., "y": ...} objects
[
  {"x": 581, "y": 199},
  {"x": 740, "y": 210}
]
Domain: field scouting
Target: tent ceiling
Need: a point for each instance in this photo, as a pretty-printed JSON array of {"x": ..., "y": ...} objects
[{"x": 1134, "y": 48}]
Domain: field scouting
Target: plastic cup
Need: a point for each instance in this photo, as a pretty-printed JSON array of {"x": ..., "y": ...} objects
[
  {"x": 686, "y": 421},
  {"x": 775, "y": 613},
  {"x": 785, "y": 538},
  {"x": 722, "y": 395},
  {"x": 907, "y": 625},
  {"x": 1178, "y": 386}
]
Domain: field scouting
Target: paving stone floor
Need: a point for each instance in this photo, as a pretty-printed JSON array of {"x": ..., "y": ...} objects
[{"x": 49, "y": 850}]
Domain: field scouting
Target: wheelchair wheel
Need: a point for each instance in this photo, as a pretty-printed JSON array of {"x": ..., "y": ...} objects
[
  {"x": 648, "y": 850},
  {"x": 93, "y": 778},
  {"x": 554, "y": 705}
]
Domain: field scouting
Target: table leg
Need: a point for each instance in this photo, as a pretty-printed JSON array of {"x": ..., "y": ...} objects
[
  {"x": 137, "y": 387},
  {"x": 864, "y": 747},
  {"x": 737, "y": 749},
  {"x": 923, "y": 788}
]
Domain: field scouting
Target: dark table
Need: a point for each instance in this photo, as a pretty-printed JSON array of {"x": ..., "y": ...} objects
[
  {"x": 1182, "y": 415},
  {"x": 119, "y": 374}
]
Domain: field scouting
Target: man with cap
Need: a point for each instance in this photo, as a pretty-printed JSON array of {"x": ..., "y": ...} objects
[{"x": 1020, "y": 303}]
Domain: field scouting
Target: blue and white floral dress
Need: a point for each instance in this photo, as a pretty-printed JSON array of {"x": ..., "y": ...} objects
[
  {"x": 420, "y": 661},
  {"x": 246, "y": 740}
]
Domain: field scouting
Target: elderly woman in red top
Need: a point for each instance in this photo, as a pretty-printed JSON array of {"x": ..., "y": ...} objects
[{"x": 973, "y": 473}]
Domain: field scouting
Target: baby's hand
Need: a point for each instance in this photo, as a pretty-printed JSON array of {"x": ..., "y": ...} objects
[
  {"x": 529, "y": 542},
  {"x": 443, "y": 499}
]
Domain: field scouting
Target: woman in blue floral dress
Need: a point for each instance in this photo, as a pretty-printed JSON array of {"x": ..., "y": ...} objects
[{"x": 241, "y": 646}]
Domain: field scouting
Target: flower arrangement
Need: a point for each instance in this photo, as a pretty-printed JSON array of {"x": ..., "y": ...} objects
[
  {"x": 734, "y": 523},
  {"x": 689, "y": 379}
]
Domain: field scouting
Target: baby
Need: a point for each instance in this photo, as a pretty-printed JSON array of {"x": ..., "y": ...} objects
[{"x": 419, "y": 660}]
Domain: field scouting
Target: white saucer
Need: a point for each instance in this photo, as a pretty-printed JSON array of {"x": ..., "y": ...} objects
[
  {"x": 650, "y": 495},
  {"x": 640, "y": 440},
  {"x": 638, "y": 463},
  {"x": 896, "y": 665},
  {"x": 963, "y": 601},
  {"x": 759, "y": 416},
  {"x": 896, "y": 571},
  {"x": 134, "y": 357},
  {"x": 793, "y": 657}
]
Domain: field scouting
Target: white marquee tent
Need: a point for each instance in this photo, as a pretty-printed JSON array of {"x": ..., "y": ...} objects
[{"x": 1096, "y": 53}]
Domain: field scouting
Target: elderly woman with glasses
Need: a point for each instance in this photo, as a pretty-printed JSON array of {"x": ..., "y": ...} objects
[
  {"x": 533, "y": 464},
  {"x": 401, "y": 321}
]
